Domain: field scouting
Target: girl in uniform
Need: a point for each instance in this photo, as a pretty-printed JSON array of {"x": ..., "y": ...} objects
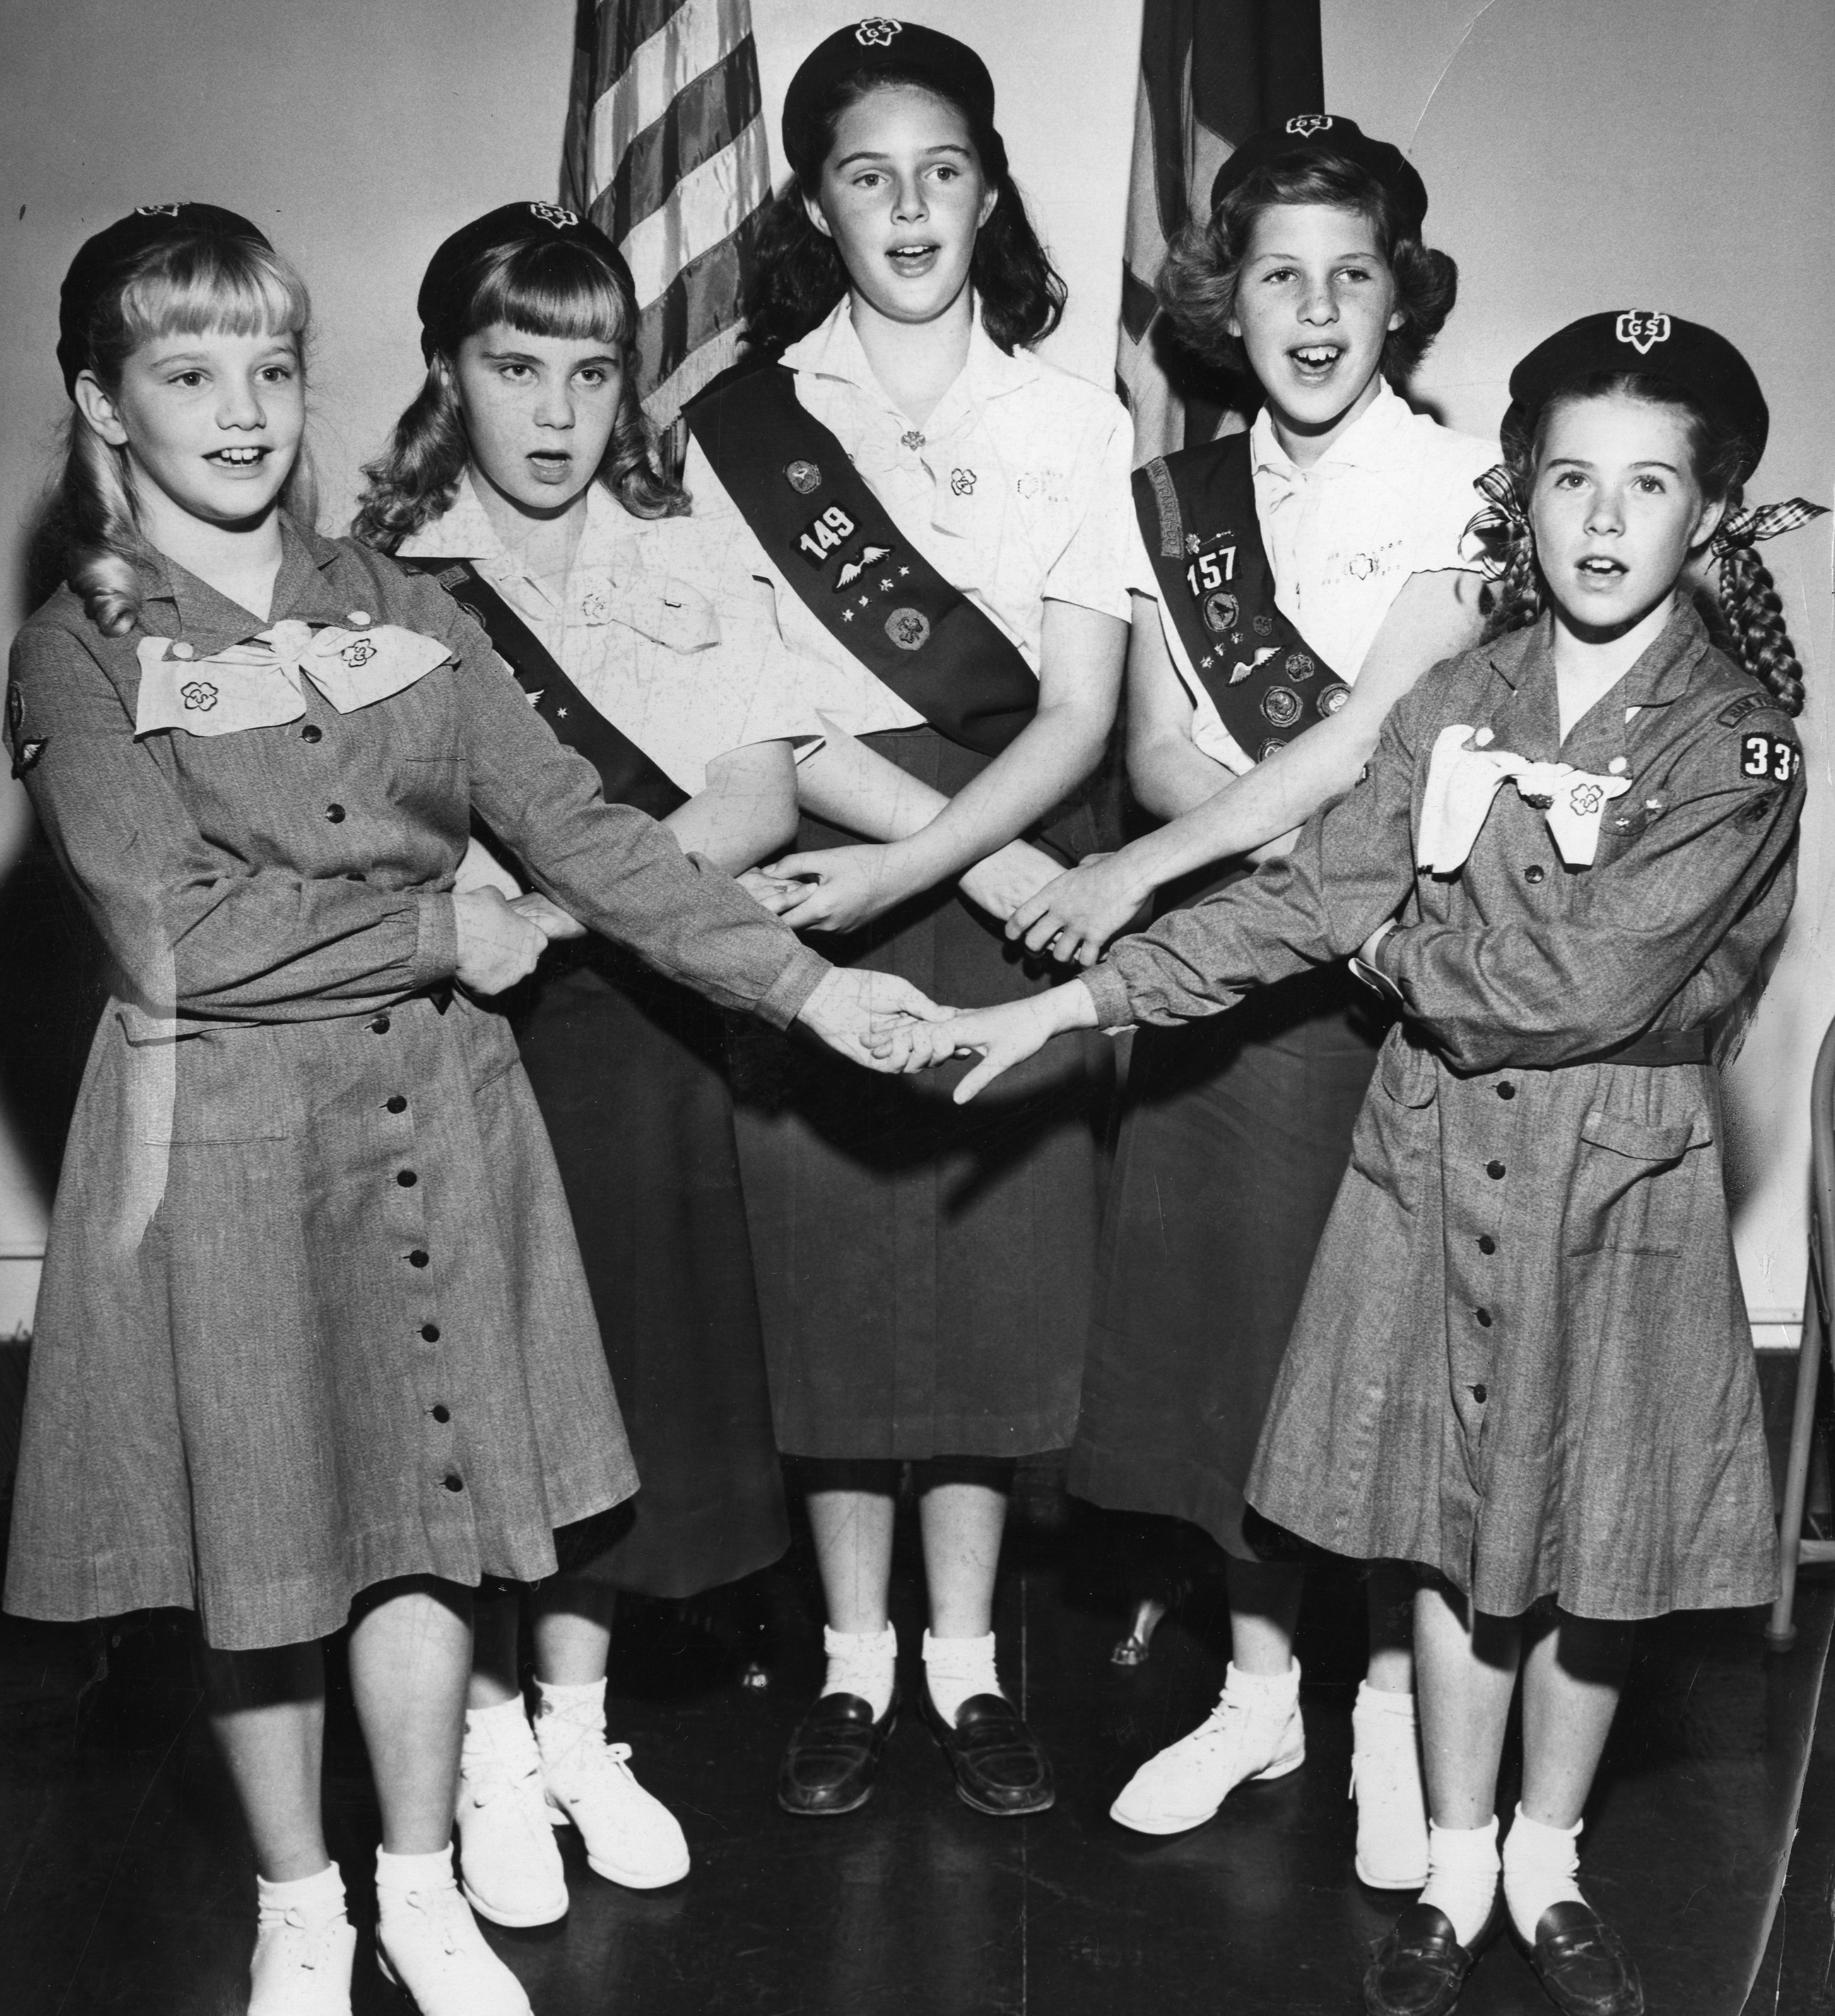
[
  {"x": 1304, "y": 576},
  {"x": 1522, "y": 1359},
  {"x": 522, "y": 475},
  {"x": 314, "y": 1343},
  {"x": 941, "y": 520}
]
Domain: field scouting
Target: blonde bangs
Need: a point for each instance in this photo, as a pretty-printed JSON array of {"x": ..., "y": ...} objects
[
  {"x": 214, "y": 286},
  {"x": 561, "y": 289}
]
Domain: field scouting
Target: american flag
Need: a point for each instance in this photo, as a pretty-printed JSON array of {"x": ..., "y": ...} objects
[
  {"x": 666, "y": 150},
  {"x": 1212, "y": 72}
]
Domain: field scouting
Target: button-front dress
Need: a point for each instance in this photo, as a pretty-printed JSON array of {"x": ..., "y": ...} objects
[
  {"x": 923, "y": 1268},
  {"x": 1234, "y": 1136},
  {"x": 629, "y": 1069},
  {"x": 1523, "y": 1358},
  {"x": 313, "y": 1316}
]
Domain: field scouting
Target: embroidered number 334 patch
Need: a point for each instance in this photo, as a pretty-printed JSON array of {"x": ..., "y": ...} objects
[{"x": 1770, "y": 757}]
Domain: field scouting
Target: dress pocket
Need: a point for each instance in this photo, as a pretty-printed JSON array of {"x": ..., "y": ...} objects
[
  {"x": 1397, "y": 1129},
  {"x": 1631, "y": 1182}
]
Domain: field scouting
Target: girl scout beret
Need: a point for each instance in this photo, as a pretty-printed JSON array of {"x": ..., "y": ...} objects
[
  {"x": 103, "y": 261},
  {"x": 901, "y": 51},
  {"x": 1700, "y": 361},
  {"x": 444, "y": 297},
  {"x": 1325, "y": 133}
]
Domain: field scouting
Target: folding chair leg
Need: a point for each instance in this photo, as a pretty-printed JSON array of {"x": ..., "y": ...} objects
[{"x": 1781, "y": 1632}]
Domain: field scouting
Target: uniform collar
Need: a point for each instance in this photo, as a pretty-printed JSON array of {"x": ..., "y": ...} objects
[
  {"x": 1661, "y": 674},
  {"x": 464, "y": 531},
  {"x": 213, "y": 622},
  {"x": 1367, "y": 443},
  {"x": 832, "y": 349}
]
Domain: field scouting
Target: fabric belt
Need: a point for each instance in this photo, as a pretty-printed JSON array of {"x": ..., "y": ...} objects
[{"x": 1657, "y": 1046}]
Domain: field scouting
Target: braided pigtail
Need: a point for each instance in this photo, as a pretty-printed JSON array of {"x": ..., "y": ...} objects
[
  {"x": 1517, "y": 597},
  {"x": 1754, "y": 617}
]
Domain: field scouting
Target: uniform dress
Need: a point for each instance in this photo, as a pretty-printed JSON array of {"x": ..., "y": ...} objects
[
  {"x": 629, "y": 1069},
  {"x": 1523, "y": 1358},
  {"x": 1234, "y": 1136},
  {"x": 924, "y": 1269},
  {"x": 312, "y": 1315}
]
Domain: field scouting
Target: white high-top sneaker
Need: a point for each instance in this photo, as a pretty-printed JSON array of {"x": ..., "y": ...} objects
[
  {"x": 302, "y": 1956},
  {"x": 1254, "y": 1732},
  {"x": 1386, "y": 1783},
  {"x": 428, "y": 1942},
  {"x": 631, "y": 1838},
  {"x": 511, "y": 1868}
]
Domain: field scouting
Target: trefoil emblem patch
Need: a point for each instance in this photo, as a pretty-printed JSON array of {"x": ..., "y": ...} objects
[
  {"x": 1306, "y": 124},
  {"x": 1642, "y": 328},
  {"x": 876, "y": 32}
]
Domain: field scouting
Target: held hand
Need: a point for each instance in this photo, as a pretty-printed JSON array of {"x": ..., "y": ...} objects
[
  {"x": 840, "y": 888},
  {"x": 852, "y": 1007},
  {"x": 1081, "y": 910},
  {"x": 770, "y": 892},
  {"x": 496, "y": 947},
  {"x": 1007, "y": 877},
  {"x": 548, "y": 918},
  {"x": 1004, "y": 1036},
  {"x": 481, "y": 869}
]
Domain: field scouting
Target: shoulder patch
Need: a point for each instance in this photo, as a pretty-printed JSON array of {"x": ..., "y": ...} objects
[
  {"x": 1747, "y": 703},
  {"x": 1767, "y": 759}
]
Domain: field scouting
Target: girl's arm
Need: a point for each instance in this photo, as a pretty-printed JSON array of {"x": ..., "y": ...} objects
[
  {"x": 1434, "y": 616},
  {"x": 747, "y": 811},
  {"x": 1079, "y": 684},
  {"x": 1642, "y": 924}
]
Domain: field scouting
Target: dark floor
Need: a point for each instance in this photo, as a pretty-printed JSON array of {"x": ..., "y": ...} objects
[{"x": 124, "y": 1883}]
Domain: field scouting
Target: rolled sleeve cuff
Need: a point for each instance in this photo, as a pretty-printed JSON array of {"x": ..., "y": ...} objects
[
  {"x": 436, "y": 944},
  {"x": 1109, "y": 991},
  {"x": 783, "y": 1000}
]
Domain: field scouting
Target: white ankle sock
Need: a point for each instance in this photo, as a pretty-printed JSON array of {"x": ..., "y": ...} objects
[
  {"x": 1540, "y": 1863},
  {"x": 317, "y": 1898},
  {"x": 583, "y": 1705},
  {"x": 1263, "y": 1692},
  {"x": 1375, "y": 1702},
  {"x": 490, "y": 1727},
  {"x": 956, "y": 1667},
  {"x": 863, "y": 1663},
  {"x": 397, "y": 1874},
  {"x": 1462, "y": 1875}
]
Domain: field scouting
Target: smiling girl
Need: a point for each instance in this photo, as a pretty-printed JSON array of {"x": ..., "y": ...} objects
[
  {"x": 1523, "y": 1359},
  {"x": 314, "y": 1346},
  {"x": 940, "y": 520}
]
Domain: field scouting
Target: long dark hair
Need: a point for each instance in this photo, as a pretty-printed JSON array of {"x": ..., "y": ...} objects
[
  {"x": 557, "y": 289},
  {"x": 799, "y": 276},
  {"x": 1746, "y": 618},
  {"x": 1204, "y": 261}
]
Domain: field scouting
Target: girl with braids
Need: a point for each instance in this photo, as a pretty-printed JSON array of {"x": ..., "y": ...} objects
[
  {"x": 313, "y": 1345},
  {"x": 940, "y": 521},
  {"x": 521, "y": 475},
  {"x": 1523, "y": 1360},
  {"x": 1303, "y": 576}
]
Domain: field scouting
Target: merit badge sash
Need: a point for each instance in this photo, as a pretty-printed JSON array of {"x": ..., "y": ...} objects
[
  {"x": 864, "y": 581},
  {"x": 1196, "y": 511},
  {"x": 626, "y": 775}
]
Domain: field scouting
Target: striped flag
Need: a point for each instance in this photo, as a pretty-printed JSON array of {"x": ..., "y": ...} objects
[
  {"x": 666, "y": 150},
  {"x": 1212, "y": 72}
]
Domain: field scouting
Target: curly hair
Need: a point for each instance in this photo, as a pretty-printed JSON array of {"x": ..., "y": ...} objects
[
  {"x": 1203, "y": 264},
  {"x": 1747, "y": 618},
  {"x": 558, "y": 288},
  {"x": 799, "y": 276},
  {"x": 89, "y": 533}
]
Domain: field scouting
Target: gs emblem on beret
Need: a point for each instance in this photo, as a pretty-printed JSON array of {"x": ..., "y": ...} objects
[
  {"x": 909, "y": 628},
  {"x": 804, "y": 477},
  {"x": 199, "y": 695},
  {"x": 1300, "y": 665},
  {"x": 358, "y": 652},
  {"x": 876, "y": 32},
  {"x": 1332, "y": 699},
  {"x": 156, "y": 209},
  {"x": 1642, "y": 328},
  {"x": 1307, "y": 124},
  {"x": 1281, "y": 704},
  {"x": 552, "y": 212},
  {"x": 1220, "y": 613}
]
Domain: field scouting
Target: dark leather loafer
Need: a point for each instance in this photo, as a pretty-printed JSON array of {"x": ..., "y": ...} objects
[
  {"x": 834, "y": 1756},
  {"x": 1580, "y": 1961},
  {"x": 999, "y": 1768},
  {"x": 1419, "y": 1967}
]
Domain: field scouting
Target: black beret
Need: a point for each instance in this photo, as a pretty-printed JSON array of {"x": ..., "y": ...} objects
[
  {"x": 103, "y": 260},
  {"x": 441, "y": 302},
  {"x": 879, "y": 45},
  {"x": 1698, "y": 360},
  {"x": 1315, "y": 135}
]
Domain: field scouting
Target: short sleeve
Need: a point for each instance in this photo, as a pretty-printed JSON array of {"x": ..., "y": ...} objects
[
  {"x": 1098, "y": 566},
  {"x": 1447, "y": 502}
]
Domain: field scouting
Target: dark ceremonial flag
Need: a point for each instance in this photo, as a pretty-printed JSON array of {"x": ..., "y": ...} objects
[
  {"x": 626, "y": 775},
  {"x": 854, "y": 568},
  {"x": 1197, "y": 517}
]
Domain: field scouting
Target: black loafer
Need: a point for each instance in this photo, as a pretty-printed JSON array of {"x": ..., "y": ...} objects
[
  {"x": 1580, "y": 1962},
  {"x": 1419, "y": 1967},
  {"x": 834, "y": 1756},
  {"x": 999, "y": 1768}
]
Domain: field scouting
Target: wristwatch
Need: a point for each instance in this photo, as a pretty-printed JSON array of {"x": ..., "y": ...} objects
[{"x": 1372, "y": 975}]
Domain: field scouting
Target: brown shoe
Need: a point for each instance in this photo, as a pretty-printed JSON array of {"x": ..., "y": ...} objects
[
  {"x": 834, "y": 1756},
  {"x": 1583, "y": 1965},
  {"x": 1419, "y": 1967},
  {"x": 999, "y": 1767}
]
